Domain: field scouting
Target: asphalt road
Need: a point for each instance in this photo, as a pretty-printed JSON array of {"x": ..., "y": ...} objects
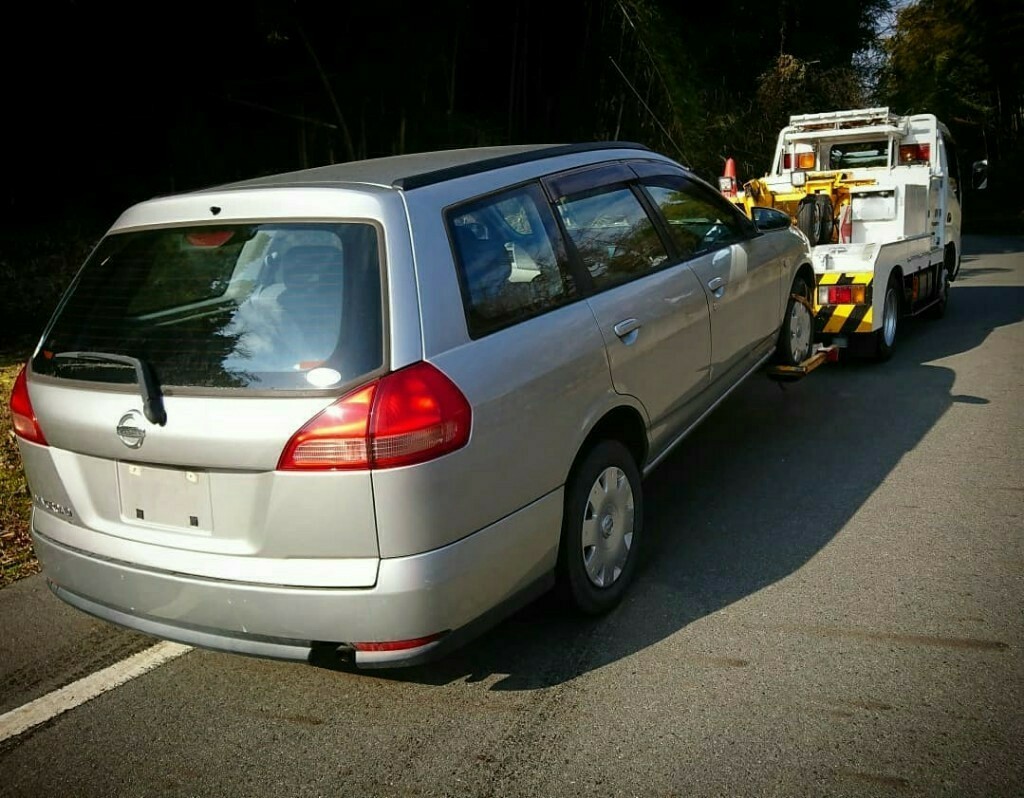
[{"x": 831, "y": 606}]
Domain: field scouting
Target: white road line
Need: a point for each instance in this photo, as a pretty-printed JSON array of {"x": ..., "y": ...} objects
[{"x": 53, "y": 704}]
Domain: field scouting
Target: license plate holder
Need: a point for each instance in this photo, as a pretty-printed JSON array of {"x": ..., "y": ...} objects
[{"x": 157, "y": 496}]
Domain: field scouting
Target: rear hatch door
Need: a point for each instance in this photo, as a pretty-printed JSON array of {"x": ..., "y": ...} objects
[{"x": 179, "y": 365}]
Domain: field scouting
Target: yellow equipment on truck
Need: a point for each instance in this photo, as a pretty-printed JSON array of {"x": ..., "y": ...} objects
[{"x": 878, "y": 196}]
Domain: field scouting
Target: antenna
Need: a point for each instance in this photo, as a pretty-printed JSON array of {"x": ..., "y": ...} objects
[{"x": 648, "y": 109}]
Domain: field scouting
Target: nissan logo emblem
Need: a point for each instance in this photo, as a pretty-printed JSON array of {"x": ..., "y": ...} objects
[{"x": 130, "y": 430}]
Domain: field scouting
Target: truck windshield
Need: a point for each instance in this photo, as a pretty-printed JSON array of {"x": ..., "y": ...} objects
[{"x": 259, "y": 306}]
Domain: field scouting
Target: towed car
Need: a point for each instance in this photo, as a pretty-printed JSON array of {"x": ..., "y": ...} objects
[{"x": 370, "y": 408}]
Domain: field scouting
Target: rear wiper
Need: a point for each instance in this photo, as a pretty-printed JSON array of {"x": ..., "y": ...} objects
[{"x": 152, "y": 399}]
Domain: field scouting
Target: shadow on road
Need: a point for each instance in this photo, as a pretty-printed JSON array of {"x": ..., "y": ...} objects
[{"x": 731, "y": 511}]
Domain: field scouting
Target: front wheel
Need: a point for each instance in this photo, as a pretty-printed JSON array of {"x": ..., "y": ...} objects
[
  {"x": 938, "y": 310},
  {"x": 796, "y": 338},
  {"x": 602, "y": 526},
  {"x": 951, "y": 262}
]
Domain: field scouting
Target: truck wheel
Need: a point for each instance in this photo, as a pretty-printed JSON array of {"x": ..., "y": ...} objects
[
  {"x": 602, "y": 526},
  {"x": 951, "y": 262},
  {"x": 885, "y": 336},
  {"x": 827, "y": 219},
  {"x": 796, "y": 338},
  {"x": 938, "y": 310},
  {"x": 808, "y": 219}
]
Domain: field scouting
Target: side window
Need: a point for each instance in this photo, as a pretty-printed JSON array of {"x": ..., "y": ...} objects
[
  {"x": 696, "y": 221},
  {"x": 613, "y": 234},
  {"x": 506, "y": 251}
]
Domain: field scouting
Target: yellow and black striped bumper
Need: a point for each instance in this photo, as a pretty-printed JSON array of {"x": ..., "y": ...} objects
[{"x": 845, "y": 319}]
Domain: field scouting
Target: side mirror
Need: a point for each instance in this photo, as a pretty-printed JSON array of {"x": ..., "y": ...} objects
[
  {"x": 979, "y": 175},
  {"x": 770, "y": 219}
]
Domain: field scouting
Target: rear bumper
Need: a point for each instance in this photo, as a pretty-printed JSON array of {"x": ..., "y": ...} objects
[{"x": 456, "y": 590}]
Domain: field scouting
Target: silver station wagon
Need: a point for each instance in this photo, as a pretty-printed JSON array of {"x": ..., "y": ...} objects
[{"x": 370, "y": 408}]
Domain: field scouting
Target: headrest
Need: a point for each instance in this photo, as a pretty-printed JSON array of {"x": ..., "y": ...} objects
[
  {"x": 311, "y": 266},
  {"x": 486, "y": 261}
]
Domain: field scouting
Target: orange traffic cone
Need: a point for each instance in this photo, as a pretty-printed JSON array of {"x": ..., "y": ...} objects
[{"x": 727, "y": 183}]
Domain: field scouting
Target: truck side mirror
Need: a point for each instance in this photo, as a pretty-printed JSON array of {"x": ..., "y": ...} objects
[{"x": 979, "y": 174}]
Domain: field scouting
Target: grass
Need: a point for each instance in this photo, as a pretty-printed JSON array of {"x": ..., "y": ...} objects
[{"x": 17, "y": 560}]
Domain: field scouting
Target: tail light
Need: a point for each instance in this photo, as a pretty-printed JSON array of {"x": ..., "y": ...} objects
[
  {"x": 846, "y": 224},
  {"x": 915, "y": 153},
  {"x": 398, "y": 645},
  {"x": 409, "y": 416},
  {"x": 841, "y": 294},
  {"x": 25, "y": 423},
  {"x": 804, "y": 160}
]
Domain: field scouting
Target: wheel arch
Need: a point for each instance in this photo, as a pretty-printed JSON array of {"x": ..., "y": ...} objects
[
  {"x": 897, "y": 272},
  {"x": 622, "y": 423},
  {"x": 805, "y": 272}
]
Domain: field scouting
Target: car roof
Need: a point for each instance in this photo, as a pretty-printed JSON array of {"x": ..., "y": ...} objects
[{"x": 415, "y": 170}]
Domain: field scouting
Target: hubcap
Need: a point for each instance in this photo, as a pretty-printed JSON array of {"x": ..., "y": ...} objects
[
  {"x": 799, "y": 331},
  {"x": 607, "y": 527},
  {"x": 889, "y": 317}
]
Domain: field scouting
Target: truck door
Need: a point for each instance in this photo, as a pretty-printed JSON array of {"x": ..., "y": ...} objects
[{"x": 950, "y": 184}]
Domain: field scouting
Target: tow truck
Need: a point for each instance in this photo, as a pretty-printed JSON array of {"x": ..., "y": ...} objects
[{"x": 878, "y": 196}]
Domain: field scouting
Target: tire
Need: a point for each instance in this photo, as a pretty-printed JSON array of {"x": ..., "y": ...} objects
[
  {"x": 885, "y": 336},
  {"x": 938, "y": 310},
  {"x": 827, "y": 219},
  {"x": 808, "y": 219},
  {"x": 602, "y": 528},
  {"x": 951, "y": 262},
  {"x": 796, "y": 338}
]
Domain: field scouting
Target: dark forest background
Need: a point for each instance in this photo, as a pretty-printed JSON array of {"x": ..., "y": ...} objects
[{"x": 106, "y": 105}]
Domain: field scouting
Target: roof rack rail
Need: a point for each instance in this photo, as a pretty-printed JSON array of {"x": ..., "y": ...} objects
[{"x": 486, "y": 164}]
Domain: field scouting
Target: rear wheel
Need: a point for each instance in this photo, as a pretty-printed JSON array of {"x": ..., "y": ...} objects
[
  {"x": 827, "y": 220},
  {"x": 796, "y": 338},
  {"x": 602, "y": 526},
  {"x": 808, "y": 219},
  {"x": 885, "y": 337}
]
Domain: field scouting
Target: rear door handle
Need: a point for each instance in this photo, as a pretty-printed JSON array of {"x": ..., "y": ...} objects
[{"x": 626, "y": 330}]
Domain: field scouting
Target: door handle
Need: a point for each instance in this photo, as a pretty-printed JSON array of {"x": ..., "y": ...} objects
[
  {"x": 626, "y": 330},
  {"x": 717, "y": 286}
]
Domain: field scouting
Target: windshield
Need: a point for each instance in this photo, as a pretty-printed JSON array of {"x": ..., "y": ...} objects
[{"x": 261, "y": 306}]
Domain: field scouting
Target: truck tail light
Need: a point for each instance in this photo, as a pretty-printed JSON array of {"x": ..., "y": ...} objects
[
  {"x": 804, "y": 160},
  {"x": 406, "y": 417},
  {"x": 25, "y": 423},
  {"x": 841, "y": 294},
  {"x": 915, "y": 153}
]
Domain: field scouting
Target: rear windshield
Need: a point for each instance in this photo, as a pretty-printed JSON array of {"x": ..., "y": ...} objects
[
  {"x": 859, "y": 154},
  {"x": 259, "y": 306}
]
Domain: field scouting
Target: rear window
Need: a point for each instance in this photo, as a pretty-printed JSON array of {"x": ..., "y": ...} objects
[
  {"x": 261, "y": 306},
  {"x": 859, "y": 154}
]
